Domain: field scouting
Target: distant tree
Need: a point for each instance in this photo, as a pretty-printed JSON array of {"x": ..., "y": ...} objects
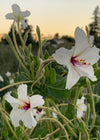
[
  {"x": 95, "y": 25},
  {"x": 29, "y": 30},
  {"x": 56, "y": 36},
  {"x": 3, "y": 40},
  {"x": 68, "y": 38}
]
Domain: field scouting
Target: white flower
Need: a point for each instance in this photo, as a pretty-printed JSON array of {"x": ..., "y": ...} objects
[
  {"x": 1, "y": 78},
  {"x": 11, "y": 81},
  {"x": 81, "y": 107},
  {"x": 23, "y": 107},
  {"x": 79, "y": 59},
  {"x": 8, "y": 74},
  {"x": 17, "y": 15}
]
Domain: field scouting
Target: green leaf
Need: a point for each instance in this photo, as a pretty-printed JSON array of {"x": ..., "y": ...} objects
[
  {"x": 29, "y": 49},
  {"x": 47, "y": 75},
  {"x": 52, "y": 76},
  {"x": 46, "y": 56},
  {"x": 37, "y": 130},
  {"x": 97, "y": 74},
  {"x": 44, "y": 41},
  {"x": 38, "y": 32},
  {"x": 4, "y": 132},
  {"x": 60, "y": 82},
  {"x": 61, "y": 94},
  {"x": 71, "y": 111},
  {"x": 25, "y": 37},
  {"x": 32, "y": 68}
]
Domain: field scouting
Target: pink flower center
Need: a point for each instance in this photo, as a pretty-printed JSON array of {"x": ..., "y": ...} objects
[
  {"x": 26, "y": 106},
  {"x": 78, "y": 62}
]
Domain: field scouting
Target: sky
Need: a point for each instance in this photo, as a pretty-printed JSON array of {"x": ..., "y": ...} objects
[{"x": 52, "y": 16}]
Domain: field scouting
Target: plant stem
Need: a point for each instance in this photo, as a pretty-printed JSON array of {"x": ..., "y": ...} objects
[
  {"x": 14, "y": 50},
  {"x": 55, "y": 120},
  {"x": 58, "y": 113},
  {"x": 15, "y": 84},
  {"x": 84, "y": 128},
  {"x": 15, "y": 42},
  {"x": 39, "y": 78},
  {"x": 93, "y": 104},
  {"x": 6, "y": 120},
  {"x": 49, "y": 122},
  {"x": 24, "y": 46},
  {"x": 76, "y": 95}
]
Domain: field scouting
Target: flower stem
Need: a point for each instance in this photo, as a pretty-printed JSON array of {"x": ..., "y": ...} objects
[
  {"x": 93, "y": 104},
  {"x": 58, "y": 113},
  {"x": 49, "y": 122},
  {"x": 39, "y": 78},
  {"x": 15, "y": 42},
  {"x": 15, "y": 84},
  {"x": 76, "y": 95},
  {"x": 55, "y": 120},
  {"x": 14, "y": 50},
  {"x": 87, "y": 135},
  {"x": 24, "y": 46},
  {"x": 6, "y": 120}
]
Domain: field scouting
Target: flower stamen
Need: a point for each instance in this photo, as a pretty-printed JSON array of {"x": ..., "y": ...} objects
[
  {"x": 26, "y": 106},
  {"x": 79, "y": 62}
]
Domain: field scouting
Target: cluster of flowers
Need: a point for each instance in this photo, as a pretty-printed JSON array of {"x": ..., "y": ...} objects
[{"x": 79, "y": 60}]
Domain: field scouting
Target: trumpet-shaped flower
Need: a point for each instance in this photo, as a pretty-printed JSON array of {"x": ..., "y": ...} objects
[
  {"x": 79, "y": 59},
  {"x": 81, "y": 107},
  {"x": 18, "y": 15},
  {"x": 23, "y": 107}
]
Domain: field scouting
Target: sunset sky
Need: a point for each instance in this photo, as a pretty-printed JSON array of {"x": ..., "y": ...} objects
[{"x": 53, "y": 16}]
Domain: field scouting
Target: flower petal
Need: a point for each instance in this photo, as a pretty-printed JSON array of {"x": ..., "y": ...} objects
[
  {"x": 24, "y": 24},
  {"x": 16, "y": 116},
  {"x": 79, "y": 113},
  {"x": 26, "y": 116},
  {"x": 91, "y": 55},
  {"x": 81, "y": 42},
  {"x": 62, "y": 56},
  {"x": 81, "y": 107},
  {"x": 88, "y": 72},
  {"x": 36, "y": 100},
  {"x": 22, "y": 92},
  {"x": 13, "y": 101},
  {"x": 28, "y": 119},
  {"x": 25, "y": 13},
  {"x": 9, "y": 16},
  {"x": 72, "y": 77},
  {"x": 16, "y": 9}
]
